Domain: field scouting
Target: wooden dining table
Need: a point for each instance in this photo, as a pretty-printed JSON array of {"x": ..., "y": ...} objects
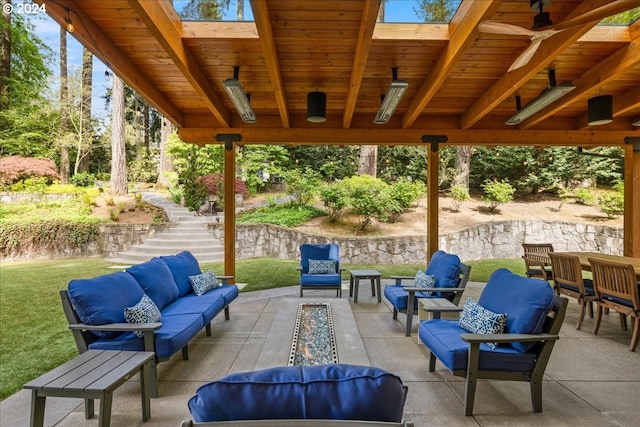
[{"x": 584, "y": 260}]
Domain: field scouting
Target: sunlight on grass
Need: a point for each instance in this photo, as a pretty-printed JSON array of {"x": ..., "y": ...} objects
[{"x": 35, "y": 338}]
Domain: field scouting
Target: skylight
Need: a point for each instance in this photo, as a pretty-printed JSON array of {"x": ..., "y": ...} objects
[
  {"x": 213, "y": 10},
  {"x": 419, "y": 11}
]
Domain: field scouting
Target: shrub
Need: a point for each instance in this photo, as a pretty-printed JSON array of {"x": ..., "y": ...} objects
[
  {"x": 496, "y": 193},
  {"x": 611, "y": 203},
  {"x": 176, "y": 195},
  {"x": 458, "y": 194},
  {"x": 334, "y": 198},
  {"x": 368, "y": 198},
  {"x": 214, "y": 185},
  {"x": 584, "y": 196},
  {"x": 83, "y": 179},
  {"x": 405, "y": 192},
  {"x": 114, "y": 215},
  {"x": 302, "y": 185},
  {"x": 16, "y": 168}
]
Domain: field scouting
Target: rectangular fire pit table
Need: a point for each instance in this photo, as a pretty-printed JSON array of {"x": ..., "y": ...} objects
[
  {"x": 94, "y": 374},
  {"x": 354, "y": 281}
]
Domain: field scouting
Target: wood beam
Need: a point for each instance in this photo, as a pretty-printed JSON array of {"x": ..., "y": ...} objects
[
  {"x": 607, "y": 70},
  {"x": 162, "y": 21},
  {"x": 265, "y": 31},
  {"x": 229, "y": 180},
  {"x": 546, "y": 53},
  {"x": 433, "y": 194},
  {"x": 465, "y": 24},
  {"x": 631, "y": 202},
  {"x": 219, "y": 30},
  {"x": 367, "y": 25},
  {"x": 339, "y": 136},
  {"x": 94, "y": 39}
]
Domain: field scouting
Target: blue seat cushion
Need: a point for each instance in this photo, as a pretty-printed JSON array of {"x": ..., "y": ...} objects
[
  {"x": 175, "y": 333},
  {"x": 320, "y": 279},
  {"x": 182, "y": 266},
  {"x": 442, "y": 338},
  {"x": 446, "y": 270},
  {"x": 88, "y": 297},
  {"x": 399, "y": 298},
  {"x": 588, "y": 287},
  {"x": 335, "y": 391},
  {"x": 157, "y": 281},
  {"x": 208, "y": 304},
  {"x": 525, "y": 301}
]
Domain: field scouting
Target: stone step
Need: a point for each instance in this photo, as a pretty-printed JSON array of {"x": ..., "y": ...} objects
[{"x": 135, "y": 258}]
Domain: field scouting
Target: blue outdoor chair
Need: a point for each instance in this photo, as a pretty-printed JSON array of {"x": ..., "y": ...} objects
[
  {"x": 320, "y": 267},
  {"x": 448, "y": 271},
  {"x": 507, "y": 335}
]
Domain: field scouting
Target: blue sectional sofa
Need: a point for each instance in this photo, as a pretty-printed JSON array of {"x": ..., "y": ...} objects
[{"x": 148, "y": 307}]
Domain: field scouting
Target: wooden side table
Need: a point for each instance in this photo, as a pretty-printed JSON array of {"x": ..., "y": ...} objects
[
  {"x": 354, "y": 282},
  {"x": 94, "y": 374}
]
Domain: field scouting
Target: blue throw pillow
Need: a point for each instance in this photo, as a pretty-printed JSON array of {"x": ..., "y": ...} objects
[
  {"x": 478, "y": 320},
  {"x": 157, "y": 281},
  {"x": 322, "y": 266},
  {"x": 146, "y": 311},
  {"x": 203, "y": 283},
  {"x": 102, "y": 300},
  {"x": 424, "y": 280},
  {"x": 182, "y": 266}
]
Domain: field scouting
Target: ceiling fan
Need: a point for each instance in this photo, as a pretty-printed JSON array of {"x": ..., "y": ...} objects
[{"x": 543, "y": 28}]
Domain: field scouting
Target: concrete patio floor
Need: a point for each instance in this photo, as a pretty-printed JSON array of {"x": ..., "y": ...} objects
[{"x": 590, "y": 381}]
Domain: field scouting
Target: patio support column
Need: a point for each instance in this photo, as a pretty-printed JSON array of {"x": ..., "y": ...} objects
[
  {"x": 632, "y": 197},
  {"x": 433, "y": 162},
  {"x": 229, "y": 181}
]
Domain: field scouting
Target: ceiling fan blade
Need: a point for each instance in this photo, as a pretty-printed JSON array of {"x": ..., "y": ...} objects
[
  {"x": 596, "y": 14},
  {"x": 525, "y": 56},
  {"x": 496, "y": 27}
]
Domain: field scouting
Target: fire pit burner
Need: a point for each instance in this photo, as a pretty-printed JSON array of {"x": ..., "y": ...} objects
[{"x": 314, "y": 341}]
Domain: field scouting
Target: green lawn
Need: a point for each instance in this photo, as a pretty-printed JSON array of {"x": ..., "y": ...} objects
[{"x": 34, "y": 337}]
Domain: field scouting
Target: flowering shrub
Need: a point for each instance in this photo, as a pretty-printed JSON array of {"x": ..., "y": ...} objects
[
  {"x": 214, "y": 185},
  {"x": 16, "y": 168}
]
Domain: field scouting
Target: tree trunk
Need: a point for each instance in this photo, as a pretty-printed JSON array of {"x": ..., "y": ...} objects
[
  {"x": 240, "y": 11},
  {"x": 147, "y": 131},
  {"x": 368, "y": 160},
  {"x": 118, "y": 151},
  {"x": 166, "y": 164},
  {"x": 64, "y": 109},
  {"x": 86, "y": 134},
  {"x": 463, "y": 166},
  {"x": 5, "y": 55}
]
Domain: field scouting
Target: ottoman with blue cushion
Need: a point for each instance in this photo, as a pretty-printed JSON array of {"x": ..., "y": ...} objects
[{"x": 335, "y": 391}]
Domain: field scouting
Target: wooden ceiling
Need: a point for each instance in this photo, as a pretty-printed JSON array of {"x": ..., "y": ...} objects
[{"x": 459, "y": 84}]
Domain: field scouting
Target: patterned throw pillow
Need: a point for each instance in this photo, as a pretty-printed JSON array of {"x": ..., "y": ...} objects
[
  {"x": 146, "y": 311},
  {"x": 424, "y": 280},
  {"x": 203, "y": 282},
  {"x": 478, "y": 320},
  {"x": 322, "y": 266}
]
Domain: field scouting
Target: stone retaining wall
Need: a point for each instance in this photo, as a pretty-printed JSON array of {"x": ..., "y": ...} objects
[
  {"x": 490, "y": 240},
  {"x": 113, "y": 238}
]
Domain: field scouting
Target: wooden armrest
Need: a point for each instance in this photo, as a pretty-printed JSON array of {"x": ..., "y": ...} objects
[
  {"x": 418, "y": 289},
  {"x": 507, "y": 338},
  {"x": 225, "y": 279},
  {"x": 117, "y": 327}
]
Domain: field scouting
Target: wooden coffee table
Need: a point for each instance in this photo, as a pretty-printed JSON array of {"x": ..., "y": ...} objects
[
  {"x": 94, "y": 374},
  {"x": 354, "y": 281}
]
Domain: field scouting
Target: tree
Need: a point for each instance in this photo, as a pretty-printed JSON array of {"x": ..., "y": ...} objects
[
  {"x": 118, "y": 146},
  {"x": 64, "y": 108},
  {"x": 85, "y": 134},
  {"x": 5, "y": 54}
]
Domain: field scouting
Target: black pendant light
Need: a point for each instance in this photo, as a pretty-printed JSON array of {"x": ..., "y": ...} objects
[
  {"x": 316, "y": 107},
  {"x": 600, "y": 110}
]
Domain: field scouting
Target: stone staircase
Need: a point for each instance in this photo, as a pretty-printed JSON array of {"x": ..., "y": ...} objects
[{"x": 188, "y": 233}]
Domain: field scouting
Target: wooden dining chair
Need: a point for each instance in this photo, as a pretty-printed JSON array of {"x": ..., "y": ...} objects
[
  {"x": 567, "y": 277},
  {"x": 616, "y": 288},
  {"x": 536, "y": 260}
]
